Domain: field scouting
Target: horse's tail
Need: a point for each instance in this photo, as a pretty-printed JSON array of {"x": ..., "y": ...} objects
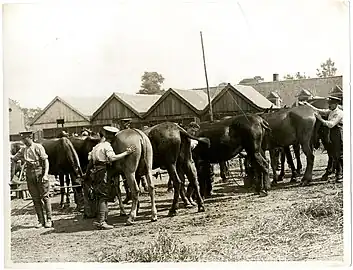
[
  {"x": 184, "y": 133},
  {"x": 71, "y": 155}
]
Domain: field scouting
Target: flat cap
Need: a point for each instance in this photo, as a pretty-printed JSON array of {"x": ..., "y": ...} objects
[
  {"x": 111, "y": 129},
  {"x": 26, "y": 133}
]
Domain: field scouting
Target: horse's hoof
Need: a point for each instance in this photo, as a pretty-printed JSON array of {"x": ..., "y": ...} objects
[
  {"x": 293, "y": 180},
  {"x": 188, "y": 205},
  {"x": 263, "y": 193},
  {"x": 274, "y": 183},
  {"x": 305, "y": 183},
  {"x": 280, "y": 178},
  {"x": 324, "y": 177},
  {"x": 201, "y": 209},
  {"x": 172, "y": 213},
  {"x": 129, "y": 222},
  {"x": 123, "y": 214}
]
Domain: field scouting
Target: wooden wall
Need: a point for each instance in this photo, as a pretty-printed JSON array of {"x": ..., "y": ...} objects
[{"x": 114, "y": 109}]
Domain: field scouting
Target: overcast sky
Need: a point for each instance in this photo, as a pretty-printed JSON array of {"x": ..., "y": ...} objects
[{"x": 96, "y": 49}]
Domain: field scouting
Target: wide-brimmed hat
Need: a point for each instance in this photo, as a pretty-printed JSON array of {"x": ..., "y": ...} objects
[
  {"x": 110, "y": 130},
  {"x": 25, "y": 134}
]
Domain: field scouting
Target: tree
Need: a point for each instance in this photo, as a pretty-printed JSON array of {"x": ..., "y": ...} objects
[
  {"x": 297, "y": 76},
  {"x": 288, "y": 77},
  {"x": 30, "y": 114},
  {"x": 327, "y": 69},
  {"x": 151, "y": 83}
]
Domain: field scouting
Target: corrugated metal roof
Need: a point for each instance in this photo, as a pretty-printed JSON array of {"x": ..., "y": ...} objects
[
  {"x": 254, "y": 96},
  {"x": 196, "y": 98},
  {"x": 85, "y": 105},
  {"x": 141, "y": 103}
]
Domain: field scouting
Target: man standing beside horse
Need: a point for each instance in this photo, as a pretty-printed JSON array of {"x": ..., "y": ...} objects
[
  {"x": 101, "y": 156},
  {"x": 335, "y": 124},
  {"x": 37, "y": 168}
]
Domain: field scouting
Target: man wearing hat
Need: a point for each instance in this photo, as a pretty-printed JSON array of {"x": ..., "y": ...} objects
[
  {"x": 101, "y": 156},
  {"x": 335, "y": 124},
  {"x": 37, "y": 168}
]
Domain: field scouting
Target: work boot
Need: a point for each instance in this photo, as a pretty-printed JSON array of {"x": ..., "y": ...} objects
[
  {"x": 104, "y": 226},
  {"x": 48, "y": 224},
  {"x": 39, "y": 225}
]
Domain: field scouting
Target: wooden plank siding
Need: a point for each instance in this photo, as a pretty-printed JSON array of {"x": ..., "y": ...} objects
[
  {"x": 59, "y": 110},
  {"x": 230, "y": 103},
  {"x": 170, "y": 108},
  {"x": 114, "y": 109}
]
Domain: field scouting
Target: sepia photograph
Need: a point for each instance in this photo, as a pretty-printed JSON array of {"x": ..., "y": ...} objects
[{"x": 176, "y": 132}]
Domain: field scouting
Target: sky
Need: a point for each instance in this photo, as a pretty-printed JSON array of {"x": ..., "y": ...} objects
[{"x": 97, "y": 48}]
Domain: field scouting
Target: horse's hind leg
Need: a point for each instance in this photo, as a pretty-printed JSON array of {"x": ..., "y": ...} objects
[
  {"x": 118, "y": 193},
  {"x": 274, "y": 158},
  {"x": 290, "y": 163},
  {"x": 151, "y": 191},
  {"x": 308, "y": 151},
  {"x": 67, "y": 180},
  {"x": 172, "y": 171},
  {"x": 62, "y": 190},
  {"x": 134, "y": 189},
  {"x": 296, "y": 148},
  {"x": 190, "y": 171}
]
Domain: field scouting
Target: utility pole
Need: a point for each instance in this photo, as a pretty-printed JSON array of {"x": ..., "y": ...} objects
[{"x": 208, "y": 88}]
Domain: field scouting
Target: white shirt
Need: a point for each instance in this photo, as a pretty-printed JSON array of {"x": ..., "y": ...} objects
[
  {"x": 193, "y": 144},
  {"x": 102, "y": 152},
  {"x": 334, "y": 118}
]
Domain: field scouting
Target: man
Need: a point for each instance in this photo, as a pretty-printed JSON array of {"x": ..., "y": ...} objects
[
  {"x": 101, "y": 156},
  {"x": 37, "y": 168},
  {"x": 335, "y": 124}
]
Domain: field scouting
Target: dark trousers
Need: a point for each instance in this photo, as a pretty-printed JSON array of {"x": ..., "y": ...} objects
[
  {"x": 101, "y": 188},
  {"x": 39, "y": 191},
  {"x": 336, "y": 137}
]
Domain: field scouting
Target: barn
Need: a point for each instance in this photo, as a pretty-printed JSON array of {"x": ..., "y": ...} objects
[
  {"x": 180, "y": 106},
  {"x": 121, "y": 106},
  {"x": 69, "y": 113},
  {"x": 235, "y": 99}
]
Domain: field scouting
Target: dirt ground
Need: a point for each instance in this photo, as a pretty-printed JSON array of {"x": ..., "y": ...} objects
[{"x": 236, "y": 226}]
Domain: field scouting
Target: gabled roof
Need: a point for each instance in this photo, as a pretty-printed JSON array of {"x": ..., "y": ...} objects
[
  {"x": 288, "y": 89},
  {"x": 248, "y": 93},
  {"x": 273, "y": 94},
  {"x": 196, "y": 98},
  {"x": 85, "y": 105},
  {"x": 190, "y": 99},
  {"x": 304, "y": 92},
  {"x": 57, "y": 98},
  {"x": 137, "y": 103},
  {"x": 337, "y": 89},
  {"x": 214, "y": 90},
  {"x": 254, "y": 96}
]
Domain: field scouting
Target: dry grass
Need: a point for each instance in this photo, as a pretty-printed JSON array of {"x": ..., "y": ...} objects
[{"x": 302, "y": 231}]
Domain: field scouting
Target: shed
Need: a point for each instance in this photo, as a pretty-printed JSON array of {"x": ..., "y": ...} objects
[
  {"x": 237, "y": 99},
  {"x": 120, "y": 106},
  {"x": 176, "y": 105},
  {"x": 71, "y": 113}
]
